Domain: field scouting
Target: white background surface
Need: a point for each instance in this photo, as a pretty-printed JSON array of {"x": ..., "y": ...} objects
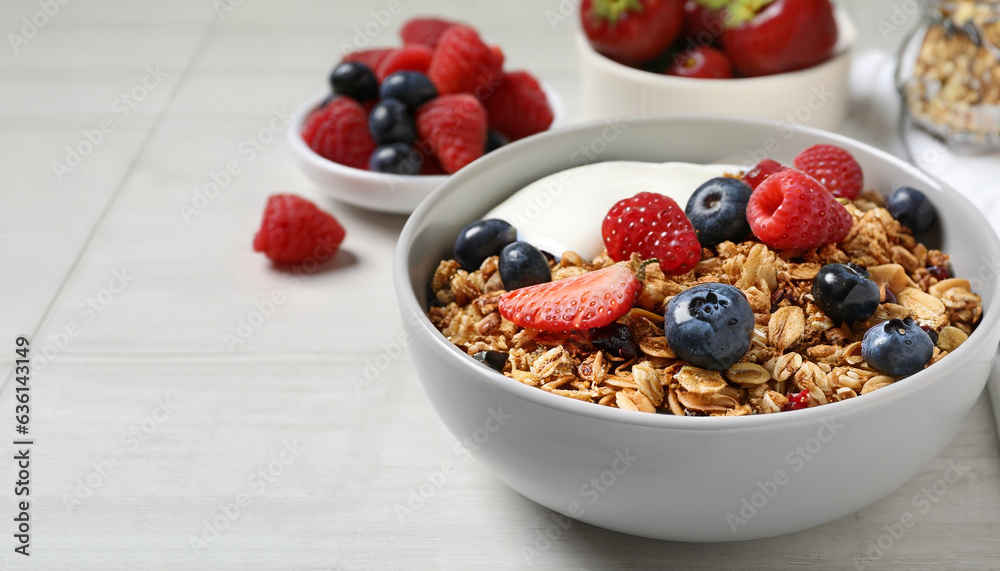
[{"x": 344, "y": 460}]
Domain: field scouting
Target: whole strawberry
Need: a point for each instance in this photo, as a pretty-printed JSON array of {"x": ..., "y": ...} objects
[
  {"x": 518, "y": 108},
  {"x": 653, "y": 226},
  {"x": 294, "y": 230},
  {"x": 338, "y": 131},
  {"x": 454, "y": 126},
  {"x": 791, "y": 210},
  {"x": 631, "y": 31},
  {"x": 463, "y": 63},
  {"x": 763, "y": 38},
  {"x": 836, "y": 168},
  {"x": 593, "y": 299}
]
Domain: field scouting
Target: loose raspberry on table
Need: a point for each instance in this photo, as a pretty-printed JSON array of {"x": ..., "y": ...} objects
[
  {"x": 338, "y": 131},
  {"x": 295, "y": 230},
  {"x": 454, "y": 126},
  {"x": 518, "y": 107}
]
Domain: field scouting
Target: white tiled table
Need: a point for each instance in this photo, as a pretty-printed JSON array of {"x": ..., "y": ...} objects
[{"x": 156, "y": 446}]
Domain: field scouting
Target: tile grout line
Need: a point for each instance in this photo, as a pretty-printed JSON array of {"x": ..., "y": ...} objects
[{"x": 199, "y": 49}]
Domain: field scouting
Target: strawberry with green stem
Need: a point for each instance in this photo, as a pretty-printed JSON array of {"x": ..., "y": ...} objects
[{"x": 631, "y": 31}]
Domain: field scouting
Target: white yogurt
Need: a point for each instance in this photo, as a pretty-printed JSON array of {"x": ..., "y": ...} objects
[{"x": 564, "y": 211}]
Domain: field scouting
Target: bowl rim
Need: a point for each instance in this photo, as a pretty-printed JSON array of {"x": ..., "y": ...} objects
[
  {"x": 847, "y": 40},
  {"x": 293, "y": 134},
  {"x": 410, "y": 305}
]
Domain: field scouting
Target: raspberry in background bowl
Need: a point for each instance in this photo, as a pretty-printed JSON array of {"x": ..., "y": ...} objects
[
  {"x": 816, "y": 96},
  {"x": 680, "y": 478},
  {"x": 398, "y": 120}
]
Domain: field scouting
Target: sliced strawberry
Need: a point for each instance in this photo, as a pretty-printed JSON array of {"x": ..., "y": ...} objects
[
  {"x": 653, "y": 226},
  {"x": 792, "y": 210},
  {"x": 764, "y": 169},
  {"x": 762, "y": 38},
  {"x": 836, "y": 168},
  {"x": 593, "y": 299},
  {"x": 631, "y": 31}
]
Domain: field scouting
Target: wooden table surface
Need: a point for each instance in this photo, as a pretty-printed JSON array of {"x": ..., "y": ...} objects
[{"x": 161, "y": 443}]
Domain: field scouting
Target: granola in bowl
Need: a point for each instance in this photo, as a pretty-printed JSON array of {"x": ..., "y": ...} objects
[{"x": 625, "y": 353}]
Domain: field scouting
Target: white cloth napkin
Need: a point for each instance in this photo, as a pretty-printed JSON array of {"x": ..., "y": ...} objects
[{"x": 876, "y": 119}]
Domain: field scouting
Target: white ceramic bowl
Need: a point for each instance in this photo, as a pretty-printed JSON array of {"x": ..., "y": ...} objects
[
  {"x": 814, "y": 97},
  {"x": 685, "y": 478},
  {"x": 394, "y": 194}
]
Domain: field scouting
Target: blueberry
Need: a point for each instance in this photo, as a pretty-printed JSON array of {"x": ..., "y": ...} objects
[
  {"x": 615, "y": 339},
  {"x": 396, "y": 158},
  {"x": 480, "y": 240},
  {"x": 494, "y": 140},
  {"x": 709, "y": 325},
  {"x": 911, "y": 208},
  {"x": 355, "y": 80},
  {"x": 391, "y": 122},
  {"x": 411, "y": 87},
  {"x": 521, "y": 265},
  {"x": 492, "y": 359},
  {"x": 898, "y": 347},
  {"x": 845, "y": 292},
  {"x": 718, "y": 211}
]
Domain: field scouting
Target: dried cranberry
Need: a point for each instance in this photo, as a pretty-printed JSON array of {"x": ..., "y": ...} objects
[
  {"x": 940, "y": 272},
  {"x": 797, "y": 401}
]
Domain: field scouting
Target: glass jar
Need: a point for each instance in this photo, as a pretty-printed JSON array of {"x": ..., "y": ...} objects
[{"x": 948, "y": 73}]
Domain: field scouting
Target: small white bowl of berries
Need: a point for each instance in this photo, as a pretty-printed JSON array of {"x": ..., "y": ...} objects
[
  {"x": 397, "y": 121},
  {"x": 783, "y": 60}
]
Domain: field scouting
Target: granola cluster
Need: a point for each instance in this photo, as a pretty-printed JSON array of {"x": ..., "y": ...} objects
[
  {"x": 956, "y": 78},
  {"x": 795, "y": 346}
]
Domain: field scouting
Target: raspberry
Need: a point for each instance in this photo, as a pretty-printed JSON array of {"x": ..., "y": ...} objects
[
  {"x": 411, "y": 58},
  {"x": 372, "y": 58},
  {"x": 792, "y": 210},
  {"x": 764, "y": 169},
  {"x": 834, "y": 167},
  {"x": 424, "y": 31},
  {"x": 653, "y": 226},
  {"x": 338, "y": 131},
  {"x": 797, "y": 401},
  {"x": 432, "y": 166},
  {"x": 295, "y": 230},
  {"x": 462, "y": 63},
  {"x": 518, "y": 108},
  {"x": 454, "y": 126}
]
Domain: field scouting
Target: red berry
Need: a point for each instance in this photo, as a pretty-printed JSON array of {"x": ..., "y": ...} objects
[
  {"x": 792, "y": 210},
  {"x": 431, "y": 166},
  {"x": 702, "y": 24},
  {"x": 764, "y": 169},
  {"x": 653, "y": 226},
  {"x": 338, "y": 131},
  {"x": 424, "y": 31},
  {"x": 410, "y": 58},
  {"x": 762, "y": 38},
  {"x": 702, "y": 62},
  {"x": 941, "y": 273},
  {"x": 593, "y": 299},
  {"x": 372, "y": 58},
  {"x": 834, "y": 167},
  {"x": 295, "y": 230},
  {"x": 518, "y": 108},
  {"x": 454, "y": 126},
  {"x": 797, "y": 401},
  {"x": 462, "y": 63},
  {"x": 631, "y": 31}
]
